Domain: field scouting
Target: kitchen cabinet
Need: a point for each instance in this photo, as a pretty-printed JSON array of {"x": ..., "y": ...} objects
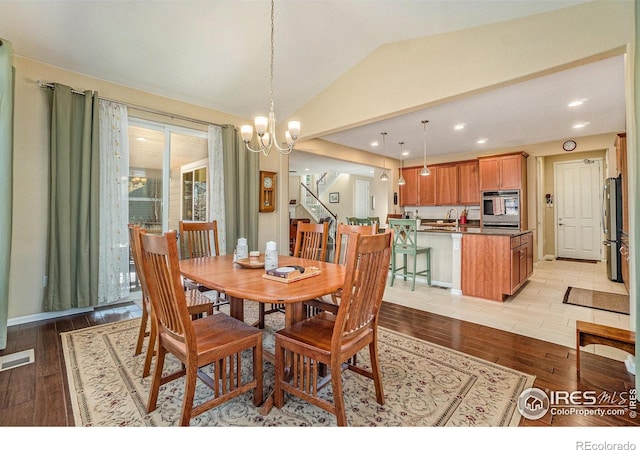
[
  {"x": 409, "y": 190},
  {"x": 469, "y": 182},
  {"x": 426, "y": 188},
  {"x": 495, "y": 266},
  {"x": 455, "y": 183},
  {"x": 418, "y": 190},
  {"x": 504, "y": 172},
  {"x": 446, "y": 184},
  {"x": 521, "y": 260}
]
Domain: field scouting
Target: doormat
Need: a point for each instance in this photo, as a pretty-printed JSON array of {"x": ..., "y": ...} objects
[
  {"x": 606, "y": 301},
  {"x": 590, "y": 261}
]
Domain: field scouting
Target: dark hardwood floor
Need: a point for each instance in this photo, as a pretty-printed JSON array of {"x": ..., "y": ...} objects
[{"x": 36, "y": 394}]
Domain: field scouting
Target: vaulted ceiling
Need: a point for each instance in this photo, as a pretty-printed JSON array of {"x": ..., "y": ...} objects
[{"x": 216, "y": 54}]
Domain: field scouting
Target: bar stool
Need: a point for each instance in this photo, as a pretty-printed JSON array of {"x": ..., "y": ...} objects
[{"x": 405, "y": 243}]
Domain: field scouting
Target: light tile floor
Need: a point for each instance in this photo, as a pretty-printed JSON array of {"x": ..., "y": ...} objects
[{"x": 535, "y": 311}]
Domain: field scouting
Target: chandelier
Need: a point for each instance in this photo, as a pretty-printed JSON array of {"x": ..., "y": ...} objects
[
  {"x": 425, "y": 170},
  {"x": 266, "y": 126},
  {"x": 401, "y": 181},
  {"x": 384, "y": 176}
]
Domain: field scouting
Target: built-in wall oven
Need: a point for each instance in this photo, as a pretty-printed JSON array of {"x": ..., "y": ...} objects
[{"x": 501, "y": 209}]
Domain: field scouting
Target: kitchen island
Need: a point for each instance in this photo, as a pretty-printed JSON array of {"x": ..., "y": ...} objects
[{"x": 489, "y": 263}]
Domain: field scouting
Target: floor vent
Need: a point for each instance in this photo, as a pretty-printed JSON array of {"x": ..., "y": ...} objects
[{"x": 16, "y": 359}]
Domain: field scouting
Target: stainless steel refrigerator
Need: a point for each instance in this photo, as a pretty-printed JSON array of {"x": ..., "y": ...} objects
[{"x": 611, "y": 226}]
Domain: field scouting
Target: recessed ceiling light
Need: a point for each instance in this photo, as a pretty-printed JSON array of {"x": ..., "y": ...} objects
[
  {"x": 482, "y": 141},
  {"x": 576, "y": 103},
  {"x": 141, "y": 139},
  {"x": 581, "y": 125},
  {"x": 374, "y": 144},
  {"x": 306, "y": 170},
  {"x": 460, "y": 126},
  {"x": 405, "y": 153}
]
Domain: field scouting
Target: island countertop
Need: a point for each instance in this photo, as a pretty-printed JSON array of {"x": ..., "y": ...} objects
[{"x": 487, "y": 231}]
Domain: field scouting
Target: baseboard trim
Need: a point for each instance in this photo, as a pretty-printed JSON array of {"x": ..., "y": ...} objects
[{"x": 56, "y": 314}]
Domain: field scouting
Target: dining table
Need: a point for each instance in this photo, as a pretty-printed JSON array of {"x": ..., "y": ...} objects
[{"x": 240, "y": 283}]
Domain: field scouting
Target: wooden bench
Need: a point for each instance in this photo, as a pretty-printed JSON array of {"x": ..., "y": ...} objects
[{"x": 592, "y": 333}]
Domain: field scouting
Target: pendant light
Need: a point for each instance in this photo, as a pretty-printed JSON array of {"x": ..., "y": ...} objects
[
  {"x": 425, "y": 170},
  {"x": 384, "y": 176},
  {"x": 401, "y": 181}
]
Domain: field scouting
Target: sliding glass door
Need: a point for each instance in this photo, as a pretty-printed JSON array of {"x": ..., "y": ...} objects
[
  {"x": 168, "y": 171},
  {"x": 168, "y": 174}
]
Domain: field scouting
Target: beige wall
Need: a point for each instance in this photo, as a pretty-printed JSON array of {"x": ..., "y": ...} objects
[
  {"x": 31, "y": 167},
  {"x": 434, "y": 70}
]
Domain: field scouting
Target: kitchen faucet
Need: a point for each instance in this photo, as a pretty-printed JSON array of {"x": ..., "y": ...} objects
[{"x": 456, "y": 215}]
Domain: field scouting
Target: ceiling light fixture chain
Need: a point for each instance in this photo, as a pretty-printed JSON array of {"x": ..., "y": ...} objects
[
  {"x": 425, "y": 170},
  {"x": 266, "y": 126},
  {"x": 384, "y": 176},
  {"x": 401, "y": 180}
]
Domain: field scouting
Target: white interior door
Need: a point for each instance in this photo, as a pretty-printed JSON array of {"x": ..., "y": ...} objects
[
  {"x": 578, "y": 230},
  {"x": 361, "y": 207}
]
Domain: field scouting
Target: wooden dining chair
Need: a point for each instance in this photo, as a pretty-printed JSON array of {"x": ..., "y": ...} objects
[
  {"x": 333, "y": 339},
  {"x": 197, "y": 303},
  {"x": 311, "y": 243},
  {"x": 216, "y": 340},
  {"x": 196, "y": 241},
  {"x": 331, "y": 302}
]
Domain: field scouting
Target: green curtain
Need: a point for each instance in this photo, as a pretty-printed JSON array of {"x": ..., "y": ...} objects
[
  {"x": 241, "y": 173},
  {"x": 6, "y": 184},
  {"x": 74, "y": 181}
]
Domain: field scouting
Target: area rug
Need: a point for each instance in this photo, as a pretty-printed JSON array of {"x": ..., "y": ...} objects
[
  {"x": 606, "y": 301},
  {"x": 424, "y": 385}
]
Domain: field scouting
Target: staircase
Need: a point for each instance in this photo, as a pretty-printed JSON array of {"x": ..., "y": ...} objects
[{"x": 319, "y": 211}]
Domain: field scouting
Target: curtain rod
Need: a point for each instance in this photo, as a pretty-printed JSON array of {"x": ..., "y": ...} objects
[{"x": 43, "y": 84}]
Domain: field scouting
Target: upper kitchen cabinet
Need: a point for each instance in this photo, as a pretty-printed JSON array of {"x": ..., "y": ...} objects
[
  {"x": 426, "y": 188},
  {"x": 446, "y": 184},
  {"x": 409, "y": 190},
  {"x": 417, "y": 190},
  {"x": 453, "y": 183},
  {"x": 503, "y": 172},
  {"x": 469, "y": 182}
]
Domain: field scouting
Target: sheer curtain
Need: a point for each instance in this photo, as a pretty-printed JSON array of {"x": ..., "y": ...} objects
[
  {"x": 114, "y": 275},
  {"x": 216, "y": 184}
]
